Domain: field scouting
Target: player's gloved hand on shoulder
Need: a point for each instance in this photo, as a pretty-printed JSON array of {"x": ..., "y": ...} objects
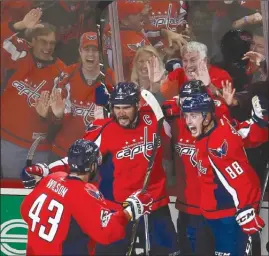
[
  {"x": 41, "y": 170},
  {"x": 249, "y": 221},
  {"x": 28, "y": 180},
  {"x": 28, "y": 174},
  {"x": 260, "y": 110},
  {"x": 138, "y": 204},
  {"x": 171, "y": 108}
]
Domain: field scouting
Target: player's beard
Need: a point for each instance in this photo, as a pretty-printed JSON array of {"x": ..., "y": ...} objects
[{"x": 132, "y": 123}]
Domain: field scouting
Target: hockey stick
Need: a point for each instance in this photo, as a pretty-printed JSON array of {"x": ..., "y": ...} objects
[
  {"x": 146, "y": 222},
  {"x": 33, "y": 148},
  {"x": 153, "y": 103},
  {"x": 257, "y": 243},
  {"x": 264, "y": 186}
]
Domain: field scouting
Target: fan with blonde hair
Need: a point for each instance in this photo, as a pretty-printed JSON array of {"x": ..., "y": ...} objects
[{"x": 148, "y": 68}]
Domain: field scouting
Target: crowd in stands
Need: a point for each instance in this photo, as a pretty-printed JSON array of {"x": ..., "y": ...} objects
[{"x": 57, "y": 73}]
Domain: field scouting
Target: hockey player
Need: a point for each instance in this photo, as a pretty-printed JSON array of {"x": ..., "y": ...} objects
[
  {"x": 193, "y": 237},
  {"x": 65, "y": 214},
  {"x": 191, "y": 232},
  {"x": 127, "y": 137},
  {"x": 230, "y": 188}
]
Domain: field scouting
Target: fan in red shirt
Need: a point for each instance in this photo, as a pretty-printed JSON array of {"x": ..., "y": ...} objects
[
  {"x": 85, "y": 90},
  {"x": 66, "y": 215},
  {"x": 32, "y": 72},
  {"x": 131, "y": 34},
  {"x": 194, "y": 55},
  {"x": 162, "y": 14}
]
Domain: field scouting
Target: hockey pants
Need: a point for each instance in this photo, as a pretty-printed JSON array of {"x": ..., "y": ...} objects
[
  {"x": 230, "y": 240},
  {"x": 163, "y": 238},
  {"x": 194, "y": 236}
]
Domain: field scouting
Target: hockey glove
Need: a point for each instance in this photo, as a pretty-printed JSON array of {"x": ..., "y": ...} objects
[
  {"x": 249, "y": 221},
  {"x": 138, "y": 204},
  {"x": 40, "y": 170},
  {"x": 28, "y": 180},
  {"x": 260, "y": 111},
  {"x": 170, "y": 108}
]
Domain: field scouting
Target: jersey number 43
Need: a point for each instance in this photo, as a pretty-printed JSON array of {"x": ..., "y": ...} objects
[{"x": 34, "y": 214}]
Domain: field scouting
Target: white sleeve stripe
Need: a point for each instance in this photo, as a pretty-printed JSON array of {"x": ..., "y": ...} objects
[
  {"x": 167, "y": 129},
  {"x": 11, "y": 48},
  {"x": 225, "y": 183},
  {"x": 63, "y": 161},
  {"x": 250, "y": 229},
  {"x": 244, "y": 132},
  {"x": 98, "y": 140}
]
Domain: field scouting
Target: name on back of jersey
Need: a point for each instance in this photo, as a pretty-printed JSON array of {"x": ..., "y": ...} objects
[{"x": 56, "y": 187}]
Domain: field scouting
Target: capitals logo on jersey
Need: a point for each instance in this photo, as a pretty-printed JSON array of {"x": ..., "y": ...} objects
[
  {"x": 86, "y": 111},
  {"x": 184, "y": 149},
  {"x": 135, "y": 47},
  {"x": 138, "y": 146},
  {"x": 169, "y": 18},
  {"x": 200, "y": 168},
  {"x": 92, "y": 38},
  {"x": 221, "y": 151},
  {"x": 31, "y": 90}
]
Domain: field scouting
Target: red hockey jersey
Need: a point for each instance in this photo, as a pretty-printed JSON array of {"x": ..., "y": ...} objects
[
  {"x": 131, "y": 150},
  {"x": 164, "y": 14},
  {"x": 66, "y": 216},
  {"x": 81, "y": 101},
  {"x": 228, "y": 182},
  {"x": 188, "y": 186}
]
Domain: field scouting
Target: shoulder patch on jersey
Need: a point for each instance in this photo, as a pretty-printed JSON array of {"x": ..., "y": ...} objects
[
  {"x": 220, "y": 151},
  {"x": 94, "y": 192},
  {"x": 105, "y": 217}
]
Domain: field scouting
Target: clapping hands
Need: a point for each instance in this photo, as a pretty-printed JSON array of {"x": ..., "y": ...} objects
[{"x": 53, "y": 101}]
